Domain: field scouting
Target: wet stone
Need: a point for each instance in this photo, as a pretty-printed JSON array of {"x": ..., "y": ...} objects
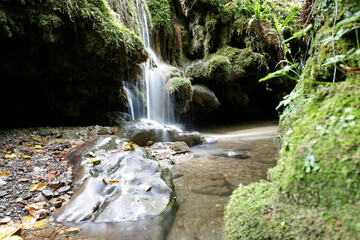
[
  {"x": 26, "y": 195},
  {"x": 63, "y": 189},
  {"x": 54, "y": 184},
  {"x": 40, "y": 198},
  {"x": 55, "y": 202},
  {"x": 3, "y": 193},
  {"x": 47, "y": 193}
]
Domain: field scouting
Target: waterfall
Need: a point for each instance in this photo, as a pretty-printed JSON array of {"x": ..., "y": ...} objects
[{"x": 159, "y": 106}]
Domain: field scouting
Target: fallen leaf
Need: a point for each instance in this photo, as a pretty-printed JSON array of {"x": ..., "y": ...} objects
[
  {"x": 129, "y": 146},
  {"x": 36, "y": 139},
  {"x": 27, "y": 162},
  {"x": 41, "y": 224},
  {"x": 38, "y": 147},
  {"x": 26, "y": 156},
  {"x": 36, "y": 209},
  {"x": 5, "y": 174},
  {"x": 92, "y": 154},
  {"x": 11, "y": 156},
  {"x": 6, "y": 231},
  {"x": 94, "y": 161},
  {"x": 28, "y": 222},
  {"x": 123, "y": 26},
  {"x": 148, "y": 188},
  {"x": 109, "y": 181},
  {"x": 37, "y": 187}
]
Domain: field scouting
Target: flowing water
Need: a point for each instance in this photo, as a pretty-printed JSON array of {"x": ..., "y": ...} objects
[
  {"x": 204, "y": 180},
  {"x": 159, "y": 104}
]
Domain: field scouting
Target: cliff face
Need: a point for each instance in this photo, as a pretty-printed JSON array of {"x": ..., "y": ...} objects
[{"x": 63, "y": 62}]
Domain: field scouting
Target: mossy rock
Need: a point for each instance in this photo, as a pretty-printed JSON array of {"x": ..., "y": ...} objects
[
  {"x": 228, "y": 64},
  {"x": 314, "y": 191},
  {"x": 182, "y": 91}
]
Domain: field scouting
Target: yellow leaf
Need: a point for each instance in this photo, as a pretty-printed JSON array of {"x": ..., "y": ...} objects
[
  {"x": 28, "y": 222},
  {"x": 94, "y": 161},
  {"x": 41, "y": 224},
  {"x": 36, "y": 209},
  {"x": 5, "y": 174},
  {"x": 37, "y": 187},
  {"x": 7, "y": 231},
  {"x": 38, "y": 147},
  {"x": 27, "y": 162},
  {"x": 129, "y": 146},
  {"x": 123, "y": 26},
  {"x": 109, "y": 181},
  {"x": 11, "y": 156},
  {"x": 13, "y": 238},
  {"x": 36, "y": 139},
  {"x": 26, "y": 156}
]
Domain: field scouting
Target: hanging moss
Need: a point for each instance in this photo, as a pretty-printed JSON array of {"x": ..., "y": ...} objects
[
  {"x": 160, "y": 14},
  {"x": 92, "y": 19}
]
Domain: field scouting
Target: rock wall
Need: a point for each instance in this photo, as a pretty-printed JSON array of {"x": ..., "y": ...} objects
[{"x": 63, "y": 62}]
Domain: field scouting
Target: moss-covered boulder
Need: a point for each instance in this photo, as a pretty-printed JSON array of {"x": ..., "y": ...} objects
[
  {"x": 228, "y": 64},
  {"x": 314, "y": 189},
  {"x": 180, "y": 89},
  {"x": 63, "y": 62}
]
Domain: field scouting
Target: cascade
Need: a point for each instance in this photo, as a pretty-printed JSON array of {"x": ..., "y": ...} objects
[{"x": 159, "y": 105}]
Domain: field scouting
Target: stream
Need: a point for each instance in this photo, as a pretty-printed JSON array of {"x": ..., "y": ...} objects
[{"x": 204, "y": 180}]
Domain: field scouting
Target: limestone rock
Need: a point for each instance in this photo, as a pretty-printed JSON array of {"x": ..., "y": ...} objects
[
  {"x": 124, "y": 186},
  {"x": 142, "y": 131}
]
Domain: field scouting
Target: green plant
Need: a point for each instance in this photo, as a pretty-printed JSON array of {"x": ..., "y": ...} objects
[{"x": 350, "y": 58}]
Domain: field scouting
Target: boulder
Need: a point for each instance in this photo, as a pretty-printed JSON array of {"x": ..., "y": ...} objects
[
  {"x": 181, "y": 89},
  {"x": 204, "y": 100},
  {"x": 116, "y": 182},
  {"x": 142, "y": 131}
]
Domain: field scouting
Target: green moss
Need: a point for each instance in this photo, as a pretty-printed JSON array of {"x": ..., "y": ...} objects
[
  {"x": 161, "y": 14},
  {"x": 218, "y": 67},
  {"x": 314, "y": 191},
  {"x": 92, "y": 20},
  {"x": 182, "y": 91}
]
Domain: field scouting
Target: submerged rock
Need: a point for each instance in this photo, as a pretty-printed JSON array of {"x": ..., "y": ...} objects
[
  {"x": 115, "y": 185},
  {"x": 142, "y": 131}
]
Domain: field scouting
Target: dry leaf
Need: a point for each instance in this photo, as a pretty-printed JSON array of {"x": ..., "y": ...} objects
[
  {"x": 41, "y": 224},
  {"x": 7, "y": 231},
  {"x": 37, "y": 187},
  {"x": 129, "y": 146},
  {"x": 11, "y": 156},
  {"x": 109, "y": 181},
  {"x": 148, "y": 188},
  {"x": 27, "y": 162},
  {"x": 94, "y": 161},
  {"x": 28, "y": 222},
  {"x": 38, "y": 147},
  {"x": 5, "y": 174},
  {"x": 36, "y": 139},
  {"x": 36, "y": 209},
  {"x": 26, "y": 156}
]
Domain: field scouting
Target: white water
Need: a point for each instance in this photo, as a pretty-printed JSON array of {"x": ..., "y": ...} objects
[{"x": 159, "y": 106}]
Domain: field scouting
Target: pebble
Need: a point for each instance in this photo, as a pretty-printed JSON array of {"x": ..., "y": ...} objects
[
  {"x": 63, "y": 189},
  {"x": 72, "y": 230},
  {"x": 55, "y": 202},
  {"x": 3, "y": 193},
  {"x": 54, "y": 184},
  {"x": 5, "y": 220},
  {"x": 47, "y": 233},
  {"x": 47, "y": 193},
  {"x": 40, "y": 198},
  {"x": 26, "y": 195}
]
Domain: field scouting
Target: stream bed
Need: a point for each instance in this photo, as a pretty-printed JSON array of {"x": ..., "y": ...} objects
[{"x": 204, "y": 180}]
